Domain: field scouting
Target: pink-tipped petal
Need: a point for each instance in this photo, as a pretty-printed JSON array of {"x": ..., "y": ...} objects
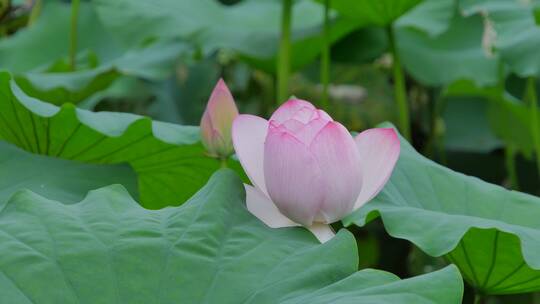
[
  {"x": 339, "y": 160},
  {"x": 217, "y": 145},
  {"x": 207, "y": 131},
  {"x": 303, "y": 109},
  {"x": 291, "y": 126},
  {"x": 222, "y": 109},
  {"x": 304, "y": 115},
  {"x": 308, "y": 132},
  {"x": 379, "y": 151},
  {"x": 323, "y": 232},
  {"x": 249, "y": 133},
  {"x": 217, "y": 120},
  {"x": 292, "y": 176},
  {"x": 323, "y": 115},
  {"x": 264, "y": 209}
]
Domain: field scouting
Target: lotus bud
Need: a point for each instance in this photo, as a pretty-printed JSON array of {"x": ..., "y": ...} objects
[
  {"x": 216, "y": 122},
  {"x": 307, "y": 169}
]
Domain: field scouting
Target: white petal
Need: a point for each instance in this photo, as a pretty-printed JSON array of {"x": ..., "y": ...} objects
[
  {"x": 379, "y": 152},
  {"x": 263, "y": 208},
  {"x": 294, "y": 108},
  {"x": 339, "y": 161},
  {"x": 323, "y": 232},
  {"x": 293, "y": 178},
  {"x": 249, "y": 134}
]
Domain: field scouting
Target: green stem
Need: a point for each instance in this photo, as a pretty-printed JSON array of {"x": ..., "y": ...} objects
[
  {"x": 480, "y": 298},
  {"x": 535, "y": 128},
  {"x": 509, "y": 149},
  {"x": 510, "y": 161},
  {"x": 435, "y": 145},
  {"x": 400, "y": 91},
  {"x": 223, "y": 162},
  {"x": 73, "y": 34},
  {"x": 477, "y": 298},
  {"x": 35, "y": 12},
  {"x": 284, "y": 56},
  {"x": 325, "y": 57}
]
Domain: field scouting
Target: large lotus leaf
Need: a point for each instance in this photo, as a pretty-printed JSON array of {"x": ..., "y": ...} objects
[
  {"x": 66, "y": 87},
  {"x": 438, "y": 58},
  {"x": 467, "y": 126},
  {"x": 151, "y": 62},
  {"x": 376, "y": 12},
  {"x": 209, "y": 250},
  {"x": 127, "y": 89},
  {"x": 431, "y": 16},
  {"x": 517, "y": 37},
  {"x": 490, "y": 233},
  {"x": 47, "y": 40},
  {"x": 362, "y": 46},
  {"x": 509, "y": 118},
  {"x": 251, "y": 28},
  {"x": 170, "y": 161},
  {"x": 43, "y": 72},
  {"x": 57, "y": 179}
]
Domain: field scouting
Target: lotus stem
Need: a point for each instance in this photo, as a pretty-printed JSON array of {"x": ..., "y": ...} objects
[
  {"x": 284, "y": 56},
  {"x": 435, "y": 144},
  {"x": 223, "y": 162},
  {"x": 325, "y": 57},
  {"x": 35, "y": 12},
  {"x": 510, "y": 161},
  {"x": 400, "y": 91},
  {"x": 73, "y": 34},
  {"x": 533, "y": 104},
  {"x": 479, "y": 298}
]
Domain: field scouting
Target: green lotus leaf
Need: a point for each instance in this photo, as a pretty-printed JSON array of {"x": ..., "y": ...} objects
[
  {"x": 375, "y": 12},
  {"x": 250, "y": 28},
  {"x": 508, "y": 117},
  {"x": 209, "y": 250},
  {"x": 44, "y": 72},
  {"x": 151, "y": 62},
  {"x": 68, "y": 87},
  {"x": 432, "y": 17},
  {"x": 489, "y": 232},
  {"x": 438, "y": 47},
  {"x": 57, "y": 179},
  {"x": 36, "y": 47},
  {"x": 169, "y": 159},
  {"x": 517, "y": 35},
  {"x": 467, "y": 125}
]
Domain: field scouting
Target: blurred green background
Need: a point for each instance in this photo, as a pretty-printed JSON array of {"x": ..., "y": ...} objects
[{"x": 462, "y": 75}]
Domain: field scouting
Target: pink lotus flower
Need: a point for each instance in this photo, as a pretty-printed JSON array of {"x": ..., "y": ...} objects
[
  {"x": 307, "y": 169},
  {"x": 217, "y": 121}
]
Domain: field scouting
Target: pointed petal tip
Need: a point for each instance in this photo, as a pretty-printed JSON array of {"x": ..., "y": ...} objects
[
  {"x": 336, "y": 125},
  {"x": 391, "y": 132},
  {"x": 297, "y": 103},
  {"x": 221, "y": 85},
  {"x": 289, "y": 108},
  {"x": 388, "y": 135},
  {"x": 221, "y": 95}
]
